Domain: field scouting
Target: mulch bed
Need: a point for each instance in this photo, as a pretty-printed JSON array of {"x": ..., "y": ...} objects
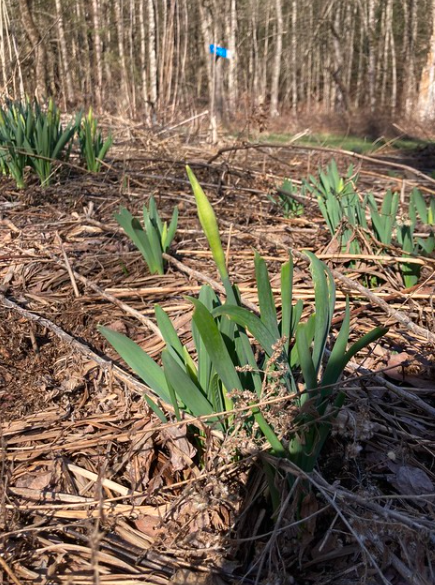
[{"x": 95, "y": 489}]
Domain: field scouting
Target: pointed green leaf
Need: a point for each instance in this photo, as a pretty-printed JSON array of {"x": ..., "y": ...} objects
[
  {"x": 265, "y": 296},
  {"x": 185, "y": 389},
  {"x": 139, "y": 361},
  {"x": 215, "y": 346}
]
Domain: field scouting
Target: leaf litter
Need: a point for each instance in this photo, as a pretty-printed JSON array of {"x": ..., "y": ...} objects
[{"x": 96, "y": 489}]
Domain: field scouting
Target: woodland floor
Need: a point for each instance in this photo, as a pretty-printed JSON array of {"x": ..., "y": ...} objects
[{"x": 94, "y": 489}]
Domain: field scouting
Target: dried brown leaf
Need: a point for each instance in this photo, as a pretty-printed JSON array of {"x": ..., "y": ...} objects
[{"x": 411, "y": 481}]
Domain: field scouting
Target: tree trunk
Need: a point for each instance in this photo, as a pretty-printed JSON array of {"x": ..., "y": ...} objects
[
  {"x": 232, "y": 65},
  {"x": 119, "y": 17},
  {"x": 66, "y": 70},
  {"x": 97, "y": 62},
  {"x": 276, "y": 69},
  {"x": 371, "y": 30},
  {"x": 38, "y": 47},
  {"x": 294, "y": 68},
  {"x": 143, "y": 61},
  {"x": 426, "y": 94},
  {"x": 152, "y": 55}
]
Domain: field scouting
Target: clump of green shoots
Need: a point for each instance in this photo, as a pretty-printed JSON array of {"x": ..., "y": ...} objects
[
  {"x": 418, "y": 208},
  {"x": 225, "y": 362},
  {"x": 49, "y": 141},
  {"x": 288, "y": 199},
  {"x": 16, "y": 130},
  {"x": 154, "y": 238},
  {"x": 345, "y": 213},
  {"x": 33, "y": 136},
  {"x": 93, "y": 147}
]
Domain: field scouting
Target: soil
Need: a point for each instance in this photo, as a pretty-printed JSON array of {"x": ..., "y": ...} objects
[{"x": 95, "y": 489}]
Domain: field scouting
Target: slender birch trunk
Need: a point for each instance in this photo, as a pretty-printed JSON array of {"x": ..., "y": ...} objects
[
  {"x": 426, "y": 95},
  {"x": 38, "y": 48},
  {"x": 65, "y": 62},
  {"x": 97, "y": 62},
  {"x": 152, "y": 55},
  {"x": 276, "y": 68},
  {"x": 119, "y": 18},
  {"x": 143, "y": 61}
]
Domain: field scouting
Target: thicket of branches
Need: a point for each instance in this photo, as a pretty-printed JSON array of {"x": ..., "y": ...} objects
[{"x": 151, "y": 56}]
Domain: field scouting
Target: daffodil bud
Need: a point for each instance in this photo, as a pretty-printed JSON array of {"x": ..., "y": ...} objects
[{"x": 209, "y": 224}]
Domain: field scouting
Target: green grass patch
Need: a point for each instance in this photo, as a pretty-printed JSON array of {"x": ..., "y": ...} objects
[{"x": 351, "y": 143}]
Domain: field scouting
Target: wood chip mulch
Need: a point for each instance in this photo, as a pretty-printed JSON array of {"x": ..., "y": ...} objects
[{"x": 95, "y": 489}]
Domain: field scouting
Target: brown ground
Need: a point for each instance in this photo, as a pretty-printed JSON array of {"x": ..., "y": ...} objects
[{"x": 95, "y": 490}]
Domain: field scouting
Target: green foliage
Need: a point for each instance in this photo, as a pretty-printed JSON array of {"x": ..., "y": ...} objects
[
  {"x": 93, "y": 147},
  {"x": 34, "y": 136},
  {"x": 383, "y": 220},
  {"x": 288, "y": 199},
  {"x": 340, "y": 205},
  {"x": 419, "y": 209},
  {"x": 345, "y": 216},
  {"x": 289, "y": 356},
  {"x": 16, "y": 128},
  {"x": 49, "y": 141},
  {"x": 154, "y": 238}
]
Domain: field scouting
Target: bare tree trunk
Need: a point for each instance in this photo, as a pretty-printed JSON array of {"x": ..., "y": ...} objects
[
  {"x": 168, "y": 55},
  {"x": 341, "y": 101},
  {"x": 393, "y": 68},
  {"x": 173, "y": 98},
  {"x": 264, "y": 66},
  {"x": 208, "y": 34},
  {"x": 38, "y": 47},
  {"x": 119, "y": 17},
  {"x": 311, "y": 60},
  {"x": 232, "y": 65},
  {"x": 9, "y": 54},
  {"x": 97, "y": 62},
  {"x": 426, "y": 95},
  {"x": 143, "y": 61},
  {"x": 132, "y": 65},
  {"x": 294, "y": 72},
  {"x": 360, "y": 66},
  {"x": 66, "y": 70},
  {"x": 152, "y": 55},
  {"x": 371, "y": 27},
  {"x": 409, "y": 66},
  {"x": 350, "y": 25},
  {"x": 184, "y": 26},
  {"x": 276, "y": 69}
]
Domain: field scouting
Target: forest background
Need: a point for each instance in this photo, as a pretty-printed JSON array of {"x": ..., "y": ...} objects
[{"x": 150, "y": 59}]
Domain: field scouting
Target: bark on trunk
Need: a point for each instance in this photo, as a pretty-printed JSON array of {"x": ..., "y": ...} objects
[
  {"x": 152, "y": 55},
  {"x": 38, "y": 47},
  {"x": 66, "y": 70},
  {"x": 276, "y": 70},
  {"x": 98, "y": 63},
  {"x": 426, "y": 94}
]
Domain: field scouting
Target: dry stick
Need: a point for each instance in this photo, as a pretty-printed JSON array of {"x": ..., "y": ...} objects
[
  {"x": 338, "y": 495},
  {"x": 68, "y": 267},
  {"x": 191, "y": 119},
  {"x": 401, "y": 392},
  {"x": 123, "y": 306},
  {"x": 83, "y": 349},
  {"x": 349, "y": 283},
  {"x": 8, "y": 570},
  {"x": 348, "y": 153}
]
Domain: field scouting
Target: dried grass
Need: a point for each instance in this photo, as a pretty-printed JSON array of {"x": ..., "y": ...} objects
[{"x": 96, "y": 490}]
